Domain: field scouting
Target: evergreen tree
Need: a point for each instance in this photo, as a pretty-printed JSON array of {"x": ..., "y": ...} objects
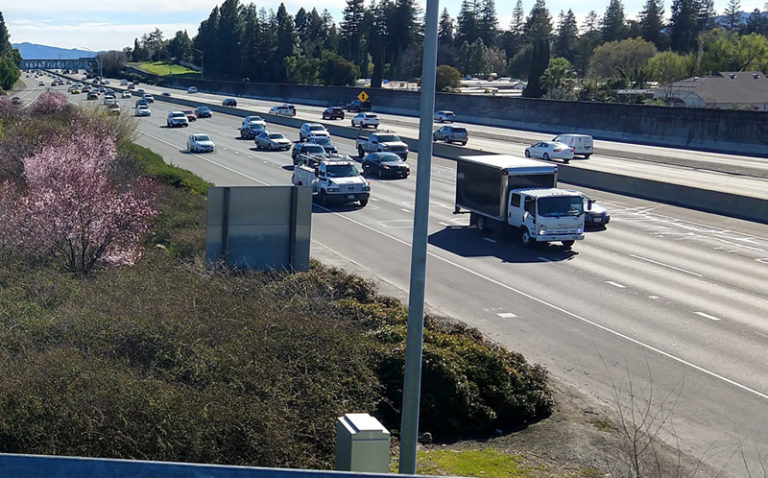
[
  {"x": 539, "y": 63},
  {"x": 756, "y": 23},
  {"x": 567, "y": 36},
  {"x": 226, "y": 59},
  {"x": 683, "y": 26},
  {"x": 446, "y": 53},
  {"x": 587, "y": 42},
  {"x": 286, "y": 43},
  {"x": 538, "y": 25},
  {"x": 707, "y": 14},
  {"x": 733, "y": 14},
  {"x": 614, "y": 25},
  {"x": 9, "y": 58},
  {"x": 488, "y": 22},
  {"x": 467, "y": 23},
  {"x": 180, "y": 46},
  {"x": 513, "y": 37},
  {"x": 205, "y": 40},
  {"x": 351, "y": 44},
  {"x": 652, "y": 23},
  {"x": 5, "y": 38}
]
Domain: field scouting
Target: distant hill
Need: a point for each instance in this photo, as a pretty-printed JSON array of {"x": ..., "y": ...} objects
[{"x": 32, "y": 51}]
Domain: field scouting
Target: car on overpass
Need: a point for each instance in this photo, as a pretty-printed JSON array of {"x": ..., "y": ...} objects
[
  {"x": 445, "y": 116},
  {"x": 229, "y": 102},
  {"x": 451, "y": 134},
  {"x": 364, "y": 120},
  {"x": 333, "y": 112}
]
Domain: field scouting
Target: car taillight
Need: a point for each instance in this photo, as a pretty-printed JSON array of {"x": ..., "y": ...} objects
[{"x": 557, "y": 150}]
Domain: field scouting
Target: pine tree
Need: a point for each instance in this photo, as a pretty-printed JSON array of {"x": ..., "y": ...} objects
[
  {"x": 567, "y": 36},
  {"x": 5, "y": 42},
  {"x": 538, "y": 25},
  {"x": 539, "y": 63},
  {"x": 351, "y": 33},
  {"x": 683, "y": 26},
  {"x": 614, "y": 25},
  {"x": 488, "y": 23},
  {"x": 652, "y": 23},
  {"x": 446, "y": 52},
  {"x": 733, "y": 14},
  {"x": 706, "y": 16},
  {"x": 467, "y": 23}
]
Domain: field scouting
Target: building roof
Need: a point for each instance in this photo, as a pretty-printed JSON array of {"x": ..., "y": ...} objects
[{"x": 735, "y": 87}]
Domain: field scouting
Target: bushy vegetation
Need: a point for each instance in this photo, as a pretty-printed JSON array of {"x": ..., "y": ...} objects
[{"x": 170, "y": 359}]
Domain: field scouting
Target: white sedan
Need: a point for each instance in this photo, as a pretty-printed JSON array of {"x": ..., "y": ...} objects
[
  {"x": 200, "y": 143},
  {"x": 550, "y": 150},
  {"x": 142, "y": 110}
]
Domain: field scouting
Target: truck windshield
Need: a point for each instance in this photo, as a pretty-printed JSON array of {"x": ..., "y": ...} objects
[
  {"x": 342, "y": 171},
  {"x": 388, "y": 138},
  {"x": 554, "y": 206}
]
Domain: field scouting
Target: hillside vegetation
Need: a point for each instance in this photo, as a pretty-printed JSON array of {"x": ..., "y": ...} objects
[{"x": 168, "y": 359}]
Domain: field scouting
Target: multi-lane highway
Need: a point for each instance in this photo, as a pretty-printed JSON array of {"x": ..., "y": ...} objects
[{"x": 669, "y": 299}]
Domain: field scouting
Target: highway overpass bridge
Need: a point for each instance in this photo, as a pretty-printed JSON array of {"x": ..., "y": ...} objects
[{"x": 90, "y": 63}]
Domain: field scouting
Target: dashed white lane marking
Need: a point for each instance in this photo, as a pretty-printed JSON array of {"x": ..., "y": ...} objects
[
  {"x": 506, "y": 315},
  {"x": 443, "y": 223},
  {"x": 761, "y": 334},
  {"x": 764, "y": 260},
  {"x": 544, "y": 259},
  {"x": 405, "y": 210},
  {"x": 616, "y": 284},
  {"x": 665, "y": 265},
  {"x": 374, "y": 199},
  {"x": 707, "y": 316},
  {"x": 489, "y": 240}
]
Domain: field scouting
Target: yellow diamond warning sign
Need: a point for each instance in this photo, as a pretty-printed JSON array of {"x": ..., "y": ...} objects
[{"x": 363, "y": 96}]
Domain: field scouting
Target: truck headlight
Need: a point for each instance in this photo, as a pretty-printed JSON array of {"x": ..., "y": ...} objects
[
  {"x": 366, "y": 188},
  {"x": 333, "y": 190},
  {"x": 542, "y": 230}
]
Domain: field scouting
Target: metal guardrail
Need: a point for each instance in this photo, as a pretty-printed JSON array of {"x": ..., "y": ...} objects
[{"x": 42, "y": 466}]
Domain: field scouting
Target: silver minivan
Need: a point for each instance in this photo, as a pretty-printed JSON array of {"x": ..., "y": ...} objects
[{"x": 581, "y": 143}]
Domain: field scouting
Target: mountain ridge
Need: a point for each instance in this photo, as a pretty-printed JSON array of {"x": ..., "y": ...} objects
[{"x": 34, "y": 51}]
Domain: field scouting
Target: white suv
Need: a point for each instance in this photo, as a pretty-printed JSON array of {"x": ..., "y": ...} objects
[
  {"x": 364, "y": 120},
  {"x": 177, "y": 118},
  {"x": 312, "y": 129}
]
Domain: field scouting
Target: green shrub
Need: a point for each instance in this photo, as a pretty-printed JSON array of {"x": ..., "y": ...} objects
[{"x": 153, "y": 166}]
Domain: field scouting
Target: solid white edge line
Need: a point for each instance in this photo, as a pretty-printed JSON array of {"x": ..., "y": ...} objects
[{"x": 616, "y": 284}]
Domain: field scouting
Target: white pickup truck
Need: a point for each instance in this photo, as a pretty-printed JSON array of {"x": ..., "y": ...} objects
[
  {"x": 333, "y": 181},
  {"x": 378, "y": 142}
]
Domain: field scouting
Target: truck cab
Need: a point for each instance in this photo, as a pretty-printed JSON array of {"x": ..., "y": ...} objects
[{"x": 546, "y": 215}]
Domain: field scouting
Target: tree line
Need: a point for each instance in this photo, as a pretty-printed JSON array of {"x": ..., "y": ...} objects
[
  {"x": 384, "y": 40},
  {"x": 10, "y": 59}
]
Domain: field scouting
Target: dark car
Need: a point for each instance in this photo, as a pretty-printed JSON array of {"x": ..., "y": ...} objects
[
  {"x": 229, "y": 102},
  {"x": 333, "y": 112},
  {"x": 203, "y": 112},
  {"x": 385, "y": 165},
  {"x": 357, "y": 106},
  {"x": 307, "y": 149}
]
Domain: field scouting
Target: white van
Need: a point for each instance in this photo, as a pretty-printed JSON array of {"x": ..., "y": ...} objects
[{"x": 581, "y": 143}]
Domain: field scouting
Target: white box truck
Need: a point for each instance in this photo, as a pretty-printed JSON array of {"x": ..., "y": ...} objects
[{"x": 502, "y": 192}]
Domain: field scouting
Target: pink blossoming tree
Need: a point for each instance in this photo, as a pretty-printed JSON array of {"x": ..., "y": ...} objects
[
  {"x": 69, "y": 207},
  {"x": 49, "y": 102}
]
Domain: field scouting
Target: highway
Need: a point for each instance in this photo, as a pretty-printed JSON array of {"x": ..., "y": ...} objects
[{"x": 668, "y": 300}]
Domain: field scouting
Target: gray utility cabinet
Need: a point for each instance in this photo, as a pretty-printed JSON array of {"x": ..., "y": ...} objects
[{"x": 362, "y": 444}]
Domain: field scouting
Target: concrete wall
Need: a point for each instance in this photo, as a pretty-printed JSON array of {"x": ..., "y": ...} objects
[{"x": 729, "y": 131}]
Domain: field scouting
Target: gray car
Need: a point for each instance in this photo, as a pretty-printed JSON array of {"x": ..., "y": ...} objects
[
  {"x": 451, "y": 134},
  {"x": 272, "y": 141}
]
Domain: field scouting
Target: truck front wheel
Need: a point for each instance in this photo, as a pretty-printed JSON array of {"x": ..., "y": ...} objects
[
  {"x": 525, "y": 238},
  {"x": 322, "y": 198},
  {"x": 363, "y": 202},
  {"x": 360, "y": 152},
  {"x": 568, "y": 244},
  {"x": 482, "y": 224}
]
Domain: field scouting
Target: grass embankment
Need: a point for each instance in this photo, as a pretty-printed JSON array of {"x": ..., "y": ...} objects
[
  {"x": 162, "y": 68},
  {"x": 171, "y": 360}
]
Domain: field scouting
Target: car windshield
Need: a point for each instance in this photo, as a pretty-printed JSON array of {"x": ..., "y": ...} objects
[
  {"x": 459, "y": 130},
  {"x": 251, "y": 119},
  {"x": 386, "y": 138},
  {"x": 342, "y": 171},
  {"x": 321, "y": 139},
  {"x": 553, "y": 206},
  {"x": 276, "y": 136},
  {"x": 188, "y": 112},
  {"x": 204, "y": 109},
  {"x": 178, "y": 114},
  {"x": 317, "y": 128},
  {"x": 202, "y": 137},
  {"x": 389, "y": 158},
  {"x": 313, "y": 149}
]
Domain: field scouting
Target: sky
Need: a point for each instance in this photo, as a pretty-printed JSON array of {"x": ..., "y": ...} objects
[{"x": 113, "y": 24}]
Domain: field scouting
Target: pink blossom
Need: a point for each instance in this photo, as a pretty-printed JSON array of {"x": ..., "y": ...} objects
[
  {"x": 71, "y": 209},
  {"x": 49, "y": 102}
]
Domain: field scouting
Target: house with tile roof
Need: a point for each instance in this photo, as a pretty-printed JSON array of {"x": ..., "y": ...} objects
[{"x": 742, "y": 90}]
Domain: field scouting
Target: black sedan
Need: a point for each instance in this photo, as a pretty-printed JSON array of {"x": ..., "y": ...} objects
[
  {"x": 229, "y": 102},
  {"x": 385, "y": 165}
]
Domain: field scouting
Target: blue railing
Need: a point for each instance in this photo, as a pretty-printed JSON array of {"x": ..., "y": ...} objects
[{"x": 40, "y": 466}]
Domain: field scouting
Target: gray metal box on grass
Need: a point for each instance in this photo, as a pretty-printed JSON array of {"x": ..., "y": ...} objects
[{"x": 362, "y": 444}]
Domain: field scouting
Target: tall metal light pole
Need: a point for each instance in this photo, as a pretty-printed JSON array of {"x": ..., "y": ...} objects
[
  {"x": 202, "y": 64},
  {"x": 409, "y": 427}
]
